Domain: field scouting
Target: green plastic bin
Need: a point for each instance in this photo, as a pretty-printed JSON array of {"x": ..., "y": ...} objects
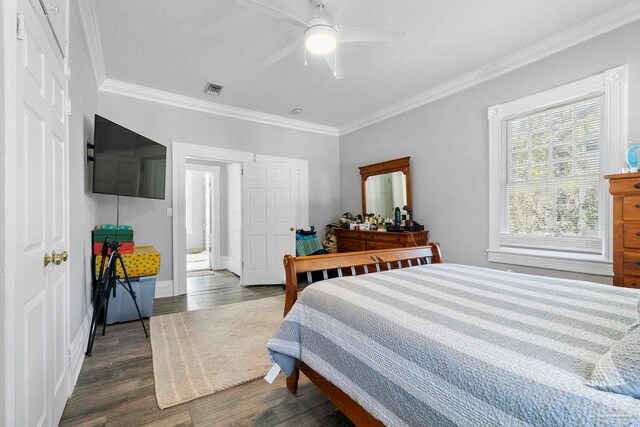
[{"x": 117, "y": 235}]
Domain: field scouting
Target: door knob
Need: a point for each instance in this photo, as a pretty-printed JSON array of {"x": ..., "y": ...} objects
[
  {"x": 64, "y": 256},
  {"x": 56, "y": 258},
  {"x": 292, "y": 228},
  {"x": 47, "y": 259}
]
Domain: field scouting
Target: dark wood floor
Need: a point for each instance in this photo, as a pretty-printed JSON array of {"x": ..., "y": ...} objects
[{"x": 116, "y": 386}]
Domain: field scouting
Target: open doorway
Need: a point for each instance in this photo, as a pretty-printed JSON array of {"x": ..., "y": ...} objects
[
  {"x": 213, "y": 213},
  {"x": 202, "y": 189},
  {"x": 268, "y": 200}
]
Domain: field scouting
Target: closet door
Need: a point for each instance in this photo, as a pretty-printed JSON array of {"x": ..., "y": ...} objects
[
  {"x": 58, "y": 235},
  {"x": 56, "y": 13},
  {"x": 42, "y": 285}
]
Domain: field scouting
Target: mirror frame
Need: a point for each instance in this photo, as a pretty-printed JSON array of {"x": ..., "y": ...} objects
[{"x": 396, "y": 165}]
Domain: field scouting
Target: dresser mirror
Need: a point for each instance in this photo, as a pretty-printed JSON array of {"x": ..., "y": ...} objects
[{"x": 385, "y": 186}]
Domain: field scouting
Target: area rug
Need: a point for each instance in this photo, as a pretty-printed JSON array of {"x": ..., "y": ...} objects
[{"x": 198, "y": 353}]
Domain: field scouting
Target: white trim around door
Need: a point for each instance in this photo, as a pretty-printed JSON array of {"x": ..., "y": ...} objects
[
  {"x": 10, "y": 82},
  {"x": 180, "y": 152}
]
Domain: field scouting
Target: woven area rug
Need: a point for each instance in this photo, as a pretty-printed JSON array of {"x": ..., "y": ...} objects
[{"x": 197, "y": 353}]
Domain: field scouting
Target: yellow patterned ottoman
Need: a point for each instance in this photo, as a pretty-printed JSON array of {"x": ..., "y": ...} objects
[{"x": 144, "y": 261}]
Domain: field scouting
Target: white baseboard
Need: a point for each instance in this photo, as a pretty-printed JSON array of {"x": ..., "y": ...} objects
[
  {"x": 77, "y": 348},
  {"x": 220, "y": 263},
  {"x": 164, "y": 288}
]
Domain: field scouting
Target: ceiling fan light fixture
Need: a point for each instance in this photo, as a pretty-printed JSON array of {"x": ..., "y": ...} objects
[{"x": 321, "y": 40}]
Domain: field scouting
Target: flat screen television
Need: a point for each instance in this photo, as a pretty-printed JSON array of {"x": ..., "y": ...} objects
[{"x": 126, "y": 163}]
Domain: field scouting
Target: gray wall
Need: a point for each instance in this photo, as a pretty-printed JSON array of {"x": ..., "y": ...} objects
[
  {"x": 164, "y": 124},
  {"x": 84, "y": 205},
  {"x": 448, "y": 144},
  {"x": 2, "y": 285}
]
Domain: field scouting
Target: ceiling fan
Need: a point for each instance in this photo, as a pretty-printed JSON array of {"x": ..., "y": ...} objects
[{"x": 321, "y": 34}]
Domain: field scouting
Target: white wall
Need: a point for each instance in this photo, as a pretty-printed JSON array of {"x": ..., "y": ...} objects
[
  {"x": 448, "y": 144},
  {"x": 224, "y": 210},
  {"x": 164, "y": 124},
  {"x": 2, "y": 219},
  {"x": 224, "y": 202},
  {"x": 195, "y": 237},
  {"x": 83, "y": 203}
]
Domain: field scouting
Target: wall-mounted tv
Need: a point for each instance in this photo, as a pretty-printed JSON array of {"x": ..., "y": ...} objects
[{"x": 126, "y": 163}]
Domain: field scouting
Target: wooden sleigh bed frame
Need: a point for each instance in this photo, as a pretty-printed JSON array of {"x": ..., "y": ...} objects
[{"x": 348, "y": 264}]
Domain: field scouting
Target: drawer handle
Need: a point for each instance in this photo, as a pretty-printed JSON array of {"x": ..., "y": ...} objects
[
  {"x": 637, "y": 262},
  {"x": 637, "y": 186},
  {"x": 638, "y": 205}
]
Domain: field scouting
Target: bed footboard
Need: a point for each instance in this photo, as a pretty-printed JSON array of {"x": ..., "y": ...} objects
[
  {"x": 353, "y": 264},
  {"x": 348, "y": 264}
]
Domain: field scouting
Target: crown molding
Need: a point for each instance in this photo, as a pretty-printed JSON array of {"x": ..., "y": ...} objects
[
  {"x": 168, "y": 98},
  {"x": 91, "y": 31},
  {"x": 602, "y": 24}
]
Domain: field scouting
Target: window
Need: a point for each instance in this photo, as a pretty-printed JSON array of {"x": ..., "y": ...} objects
[
  {"x": 548, "y": 153},
  {"x": 553, "y": 178}
]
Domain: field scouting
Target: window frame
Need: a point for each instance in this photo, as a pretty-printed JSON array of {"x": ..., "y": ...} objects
[{"x": 613, "y": 86}]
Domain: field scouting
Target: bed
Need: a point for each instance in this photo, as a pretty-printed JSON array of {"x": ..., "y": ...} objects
[{"x": 398, "y": 338}]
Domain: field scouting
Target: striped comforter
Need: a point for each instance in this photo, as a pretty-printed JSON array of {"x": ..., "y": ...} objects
[{"x": 445, "y": 344}]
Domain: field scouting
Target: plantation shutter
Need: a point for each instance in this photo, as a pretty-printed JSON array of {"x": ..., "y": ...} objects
[{"x": 552, "y": 178}]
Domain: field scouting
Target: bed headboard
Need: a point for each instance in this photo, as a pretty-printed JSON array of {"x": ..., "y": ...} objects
[{"x": 354, "y": 264}]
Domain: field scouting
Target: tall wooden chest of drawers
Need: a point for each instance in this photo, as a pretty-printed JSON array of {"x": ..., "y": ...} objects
[
  {"x": 360, "y": 240},
  {"x": 625, "y": 189}
]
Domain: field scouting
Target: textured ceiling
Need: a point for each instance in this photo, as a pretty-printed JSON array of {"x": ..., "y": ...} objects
[{"x": 179, "y": 45}]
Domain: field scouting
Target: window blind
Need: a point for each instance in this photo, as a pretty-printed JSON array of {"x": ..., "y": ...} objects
[{"x": 552, "y": 192}]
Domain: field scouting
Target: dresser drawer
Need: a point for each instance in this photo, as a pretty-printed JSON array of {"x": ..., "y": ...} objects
[
  {"x": 632, "y": 282},
  {"x": 631, "y": 208},
  {"x": 625, "y": 186},
  {"x": 350, "y": 245},
  {"x": 632, "y": 236},
  {"x": 632, "y": 263},
  {"x": 372, "y": 246}
]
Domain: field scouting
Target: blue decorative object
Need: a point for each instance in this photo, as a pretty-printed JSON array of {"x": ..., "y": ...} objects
[{"x": 632, "y": 155}]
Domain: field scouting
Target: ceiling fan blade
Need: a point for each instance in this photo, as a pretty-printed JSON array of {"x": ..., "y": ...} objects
[
  {"x": 350, "y": 34},
  {"x": 281, "y": 54},
  {"x": 333, "y": 11},
  {"x": 273, "y": 12},
  {"x": 333, "y": 61}
]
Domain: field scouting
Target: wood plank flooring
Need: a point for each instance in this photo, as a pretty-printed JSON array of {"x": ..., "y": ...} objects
[{"x": 116, "y": 386}]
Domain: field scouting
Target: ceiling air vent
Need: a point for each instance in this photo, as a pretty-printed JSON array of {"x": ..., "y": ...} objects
[{"x": 213, "y": 89}]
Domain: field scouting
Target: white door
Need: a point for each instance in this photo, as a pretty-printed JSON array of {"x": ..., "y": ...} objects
[
  {"x": 270, "y": 193},
  {"x": 42, "y": 329},
  {"x": 235, "y": 218},
  {"x": 210, "y": 216},
  {"x": 56, "y": 22}
]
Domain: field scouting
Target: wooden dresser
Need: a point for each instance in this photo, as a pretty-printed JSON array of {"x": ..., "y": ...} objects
[
  {"x": 358, "y": 240},
  {"x": 625, "y": 189}
]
